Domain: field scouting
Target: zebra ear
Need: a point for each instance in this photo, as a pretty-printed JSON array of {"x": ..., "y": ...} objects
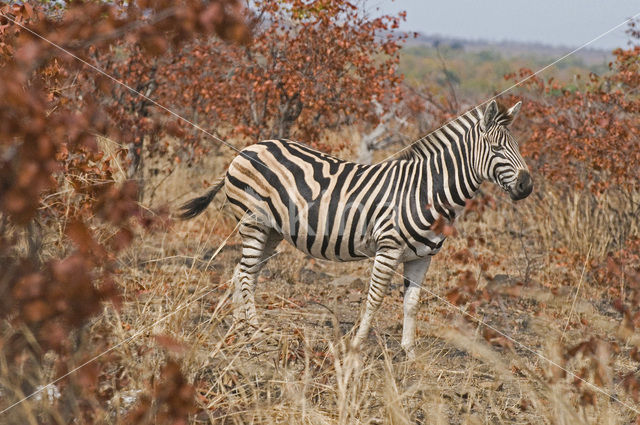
[
  {"x": 490, "y": 114},
  {"x": 513, "y": 111}
]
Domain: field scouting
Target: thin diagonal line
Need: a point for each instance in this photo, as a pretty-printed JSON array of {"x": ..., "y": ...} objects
[
  {"x": 135, "y": 335},
  {"x": 575, "y": 297},
  {"x": 140, "y": 332},
  {"x": 480, "y": 321},
  {"x": 131, "y": 89},
  {"x": 516, "y": 84},
  {"x": 510, "y": 338}
]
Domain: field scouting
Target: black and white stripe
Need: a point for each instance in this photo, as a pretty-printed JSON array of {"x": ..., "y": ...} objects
[{"x": 343, "y": 211}]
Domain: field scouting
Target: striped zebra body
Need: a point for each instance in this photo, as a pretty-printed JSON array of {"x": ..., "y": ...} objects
[
  {"x": 342, "y": 211},
  {"x": 313, "y": 201}
]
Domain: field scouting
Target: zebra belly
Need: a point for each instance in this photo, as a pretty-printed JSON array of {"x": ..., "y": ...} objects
[{"x": 421, "y": 250}]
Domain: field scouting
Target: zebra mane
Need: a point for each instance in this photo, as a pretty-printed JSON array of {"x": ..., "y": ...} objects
[{"x": 472, "y": 116}]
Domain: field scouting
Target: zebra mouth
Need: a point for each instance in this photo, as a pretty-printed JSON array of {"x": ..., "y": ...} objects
[{"x": 516, "y": 197}]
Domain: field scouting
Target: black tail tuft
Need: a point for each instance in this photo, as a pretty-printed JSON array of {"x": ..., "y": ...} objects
[{"x": 195, "y": 206}]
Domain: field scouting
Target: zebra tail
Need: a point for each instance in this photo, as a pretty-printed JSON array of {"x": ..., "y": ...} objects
[{"x": 194, "y": 207}]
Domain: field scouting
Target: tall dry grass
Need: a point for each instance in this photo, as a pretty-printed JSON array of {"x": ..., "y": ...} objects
[{"x": 297, "y": 369}]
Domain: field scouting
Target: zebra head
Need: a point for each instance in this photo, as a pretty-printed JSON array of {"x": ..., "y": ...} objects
[{"x": 501, "y": 161}]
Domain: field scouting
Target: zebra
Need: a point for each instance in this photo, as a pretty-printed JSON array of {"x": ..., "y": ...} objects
[{"x": 338, "y": 210}]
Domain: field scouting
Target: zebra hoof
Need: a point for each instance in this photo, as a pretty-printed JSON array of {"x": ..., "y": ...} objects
[
  {"x": 239, "y": 322},
  {"x": 355, "y": 346},
  {"x": 410, "y": 352}
]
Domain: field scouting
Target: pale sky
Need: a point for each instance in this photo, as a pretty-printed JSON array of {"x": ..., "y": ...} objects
[{"x": 556, "y": 22}]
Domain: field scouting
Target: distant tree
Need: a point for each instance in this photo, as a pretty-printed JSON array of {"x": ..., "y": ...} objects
[{"x": 311, "y": 66}]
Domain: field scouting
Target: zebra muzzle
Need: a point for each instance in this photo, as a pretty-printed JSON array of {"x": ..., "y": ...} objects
[{"x": 522, "y": 187}]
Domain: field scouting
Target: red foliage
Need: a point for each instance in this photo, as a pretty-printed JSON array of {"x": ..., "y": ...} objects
[
  {"x": 171, "y": 402},
  {"x": 49, "y": 119},
  {"x": 585, "y": 137},
  {"x": 311, "y": 66}
]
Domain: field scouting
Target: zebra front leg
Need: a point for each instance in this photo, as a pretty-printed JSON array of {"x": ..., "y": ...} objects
[
  {"x": 414, "y": 272},
  {"x": 383, "y": 270}
]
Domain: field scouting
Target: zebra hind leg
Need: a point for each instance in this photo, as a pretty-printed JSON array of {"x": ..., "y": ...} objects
[
  {"x": 238, "y": 304},
  {"x": 258, "y": 244}
]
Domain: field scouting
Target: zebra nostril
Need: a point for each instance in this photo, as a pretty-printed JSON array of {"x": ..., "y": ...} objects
[{"x": 524, "y": 185}]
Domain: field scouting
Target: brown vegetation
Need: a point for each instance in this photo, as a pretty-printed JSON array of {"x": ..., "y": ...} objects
[{"x": 91, "y": 273}]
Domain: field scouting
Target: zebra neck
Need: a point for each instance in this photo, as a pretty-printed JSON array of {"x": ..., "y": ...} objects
[
  {"x": 453, "y": 134},
  {"x": 448, "y": 158}
]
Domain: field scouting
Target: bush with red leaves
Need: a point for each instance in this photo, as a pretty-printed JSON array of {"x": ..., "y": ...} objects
[
  {"x": 49, "y": 122},
  {"x": 584, "y": 138}
]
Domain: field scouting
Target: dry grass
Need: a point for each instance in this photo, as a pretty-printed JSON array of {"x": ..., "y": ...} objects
[{"x": 297, "y": 368}]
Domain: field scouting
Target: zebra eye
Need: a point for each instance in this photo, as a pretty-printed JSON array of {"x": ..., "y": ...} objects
[{"x": 496, "y": 148}]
